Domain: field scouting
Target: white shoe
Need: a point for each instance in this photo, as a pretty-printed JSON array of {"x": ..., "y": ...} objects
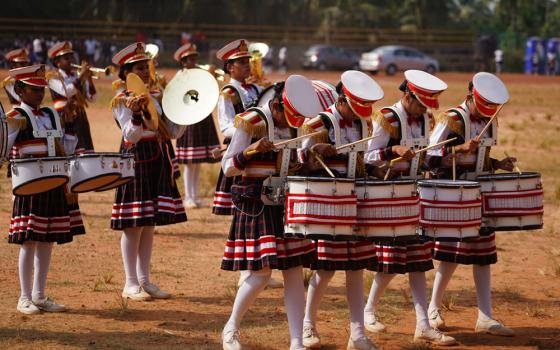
[
  {"x": 311, "y": 337},
  {"x": 155, "y": 292},
  {"x": 436, "y": 320},
  {"x": 493, "y": 327},
  {"x": 189, "y": 204},
  {"x": 231, "y": 339},
  {"x": 27, "y": 307},
  {"x": 433, "y": 336},
  {"x": 363, "y": 343},
  {"x": 136, "y": 294},
  {"x": 372, "y": 324},
  {"x": 273, "y": 283},
  {"x": 48, "y": 305}
]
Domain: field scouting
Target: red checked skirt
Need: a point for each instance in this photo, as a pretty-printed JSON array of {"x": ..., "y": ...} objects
[
  {"x": 197, "y": 142},
  {"x": 478, "y": 251},
  {"x": 152, "y": 198},
  {"x": 413, "y": 255}
]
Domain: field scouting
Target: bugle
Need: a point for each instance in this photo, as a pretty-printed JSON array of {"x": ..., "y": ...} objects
[{"x": 107, "y": 71}]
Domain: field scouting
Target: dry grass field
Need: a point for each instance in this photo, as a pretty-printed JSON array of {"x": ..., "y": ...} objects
[{"x": 87, "y": 275}]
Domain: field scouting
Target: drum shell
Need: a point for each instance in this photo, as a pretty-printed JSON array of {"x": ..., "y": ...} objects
[
  {"x": 338, "y": 226},
  {"x": 37, "y": 175},
  {"x": 92, "y": 171},
  {"x": 451, "y": 196},
  {"x": 394, "y": 209},
  {"x": 523, "y": 193}
]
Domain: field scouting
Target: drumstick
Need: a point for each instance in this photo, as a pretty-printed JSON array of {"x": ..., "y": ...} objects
[
  {"x": 514, "y": 163},
  {"x": 281, "y": 143},
  {"x": 426, "y": 149},
  {"x": 318, "y": 157},
  {"x": 355, "y": 142},
  {"x": 387, "y": 174},
  {"x": 488, "y": 124},
  {"x": 453, "y": 160}
]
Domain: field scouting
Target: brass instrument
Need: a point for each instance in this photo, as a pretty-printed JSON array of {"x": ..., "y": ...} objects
[
  {"x": 107, "y": 71},
  {"x": 219, "y": 74},
  {"x": 135, "y": 84},
  {"x": 257, "y": 51}
]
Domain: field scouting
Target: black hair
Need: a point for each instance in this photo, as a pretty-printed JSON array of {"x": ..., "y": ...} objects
[
  {"x": 338, "y": 88},
  {"x": 278, "y": 90},
  {"x": 404, "y": 87},
  {"x": 19, "y": 85},
  {"x": 125, "y": 68},
  {"x": 470, "y": 86}
]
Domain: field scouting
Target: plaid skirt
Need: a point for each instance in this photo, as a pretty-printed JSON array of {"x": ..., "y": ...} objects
[
  {"x": 414, "y": 255},
  {"x": 83, "y": 133},
  {"x": 256, "y": 240},
  {"x": 478, "y": 251},
  {"x": 346, "y": 255},
  {"x": 174, "y": 161},
  {"x": 45, "y": 217},
  {"x": 197, "y": 142},
  {"x": 222, "y": 204},
  {"x": 152, "y": 198}
]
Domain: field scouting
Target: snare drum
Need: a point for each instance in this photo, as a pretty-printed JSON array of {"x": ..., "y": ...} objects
[
  {"x": 126, "y": 167},
  {"x": 387, "y": 210},
  {"x": 512, "y": 201},
  {"x": 92, "y": 171},
  {"x": 37, "y": 175},
  {"x": 320, "y": 208},
  {"x": 450, "y": 210}
]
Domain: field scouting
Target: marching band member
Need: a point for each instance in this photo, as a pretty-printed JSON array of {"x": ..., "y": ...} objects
[
  {"x": 38, "y": 220},
  {"x": 256, "y": 243},
  {"x": 236, "y": 97},
  {"x": 16, "y": 59},
  {"x": 397, "y": 128},
  {"x": 152, "y": 198},
  {"x": 193, "y": 148},
  {"x": 357, "y": 93},
  {"x": 486, "y": 94},
  {"x": 76, "y": 90}
]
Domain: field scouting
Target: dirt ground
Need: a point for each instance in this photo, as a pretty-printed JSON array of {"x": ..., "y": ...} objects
[{"x": 87, "y": 275}]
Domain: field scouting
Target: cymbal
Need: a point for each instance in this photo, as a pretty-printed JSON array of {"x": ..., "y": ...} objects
[
  {"x": 190, "y": 96},
  {"x": 135, "y": 84}
]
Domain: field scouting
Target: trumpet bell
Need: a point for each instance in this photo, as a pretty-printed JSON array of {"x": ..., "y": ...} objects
[
  {"x": 135, "y": 84},
  {"x": 190, "y": 96},
  {"x": 258, "y": 48}
]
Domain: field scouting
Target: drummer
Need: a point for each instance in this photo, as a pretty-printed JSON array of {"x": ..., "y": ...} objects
[
  {"x": 486, "y": 93},
  {"x": 152, "y": 198},
  {"x": 16, "y": 59},
  {"x": 357, "y": 94},
  {"x": 78, "y": 89},
  {"x": 30, "y": 214},
  {"x": 195, "y": 146},
  {"x": 256, "y": 243},
  {"x": 236, "y": 97},
  {"x": 395, "y": 127}
]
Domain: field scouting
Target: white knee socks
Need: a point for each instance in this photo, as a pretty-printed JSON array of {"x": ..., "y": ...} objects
[
  {"x": 130, "y": 241},
  {"x": 25, "y": 266},
  {"x": 443, "y": 276},
  {"x": 378, "y": 286},
  {"x": 43, "y": 252},
  {"x": 417, "y": 281},
  {"x": 355, "y": 299},
  {"x": 294, "y": 302},
  {"x": 145, "y": 254},
  {"x": 246, "y": 295},
  {"x": 317, "y": 287},
  {"x": 191, "y": 178},
  {"x": 482, "y": 281}
]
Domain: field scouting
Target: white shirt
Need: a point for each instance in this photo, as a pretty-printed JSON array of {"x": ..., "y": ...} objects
[{"x": 226, "y": 112}]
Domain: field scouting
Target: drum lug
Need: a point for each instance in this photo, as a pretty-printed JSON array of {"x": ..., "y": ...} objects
[
  {"x": 461, "y": 195},
  {"x": 102, "y": 162},
  {"x": 40, "y": 165},
  {"x": 14, "y": 169}
]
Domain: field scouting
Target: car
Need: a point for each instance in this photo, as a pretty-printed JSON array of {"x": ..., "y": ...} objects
[
  {"x": 323, "y": 57},
  {"x": 393, "y": 58}
]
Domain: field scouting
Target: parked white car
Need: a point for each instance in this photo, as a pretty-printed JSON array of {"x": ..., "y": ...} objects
[{"x": 395, "y": 58}]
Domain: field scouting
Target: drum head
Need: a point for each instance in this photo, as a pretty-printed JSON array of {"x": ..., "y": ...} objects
[
  {"x": 95, "y": 183},
  {"x": 44, "y": 184},
  {"x": 317, "y": 179},
  {"x": 118, "y": 183},
  {"x": 98, "y": 154},
  {"x": 448, "y": 183},
  {"x": 375, "y": 182},
  {"x": 508, "y": 176}
]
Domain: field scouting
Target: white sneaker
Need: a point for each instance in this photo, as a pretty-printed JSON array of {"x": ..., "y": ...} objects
[
  {"x": 436, "y": 320},
  {"x": 136, "y": 294},
  {"x": 155, "y": 292},
  {"x": 433, "y": 336},
  {"x": 372, "y": 324},
  {"x": 493, "y": 327},
  {"x": 189, "y": 204},
  {"x": 273, "y": 283},
  {"x": 27, "y": 307},
  {"x": 363, "y": 343},
  {"x": 231, "y": 339},
  {"x": 48, "y": 305},
  {"x": 311, "y": 337}
]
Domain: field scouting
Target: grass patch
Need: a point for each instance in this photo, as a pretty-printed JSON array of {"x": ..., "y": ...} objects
[
  {"x": 449, "y": 302},
  {"x": 231, "y": 292},
  {"x": 101, "y": 283},
  {"x": 122, "y": 303},
  {"x": 536, "y": 311},
  {"x": 307, "y": 274},
  {"x": 511, "y": 294}
]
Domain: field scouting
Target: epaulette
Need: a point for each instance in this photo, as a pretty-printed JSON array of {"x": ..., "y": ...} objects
[
  {"x": 252, "y": 123},
  {"x": 453, "y": 121},
  {"x": 118, "y": 85},
  {"x": 431, "y": 120},
  {"x": 52, "y": 74},
  {"x": 119, "y": 99},
  {"x": 16, "y": 120},
  {"x": 230, "y": 93},
  {"x": 388, "y": 121},
  {"x": 314, "y": 125}
]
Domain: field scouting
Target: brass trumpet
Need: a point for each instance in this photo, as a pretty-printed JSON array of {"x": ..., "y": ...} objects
[{"x": 107, "y": 71}]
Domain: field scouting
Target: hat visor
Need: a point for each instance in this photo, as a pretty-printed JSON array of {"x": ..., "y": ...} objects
[
  {"x": 427, "y": 102},
  {"x": 238, "y": 55},
  {"x": 35, "y": 82},
  {"x": 295, "y": 121},
  {"x": 137, "y": 59},
  {"x": 63, "y": 52},
  {"x": 361, "y": 111},
  {"x": 484, "y": 109}
]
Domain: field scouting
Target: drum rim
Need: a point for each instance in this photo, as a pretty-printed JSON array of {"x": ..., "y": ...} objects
[
  {"x": 318, "y": 179},
  {"x": 447, "y": 183},
  {"x": 32, "y": 159},
  {"x": 97, "y": 154},
  {"x": 361, "y": 181},
  {"x": 509, "y": 176},
  {"x": 114, "y": 184},
  {"x": 66, "y": 177},
  {"x": 92, "y": 178}
]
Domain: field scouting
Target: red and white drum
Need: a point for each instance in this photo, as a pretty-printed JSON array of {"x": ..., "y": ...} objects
[
  {"x": 387, "y": 210},
  {"x": 37, "y": 175},
  {"x": 512, "y": 201},
  {"x": 126, "y": 167},
  {"x": 450, "y": 210},
  {"x": 92, "y": 171},
  {"x": 320, "y": 208}
]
